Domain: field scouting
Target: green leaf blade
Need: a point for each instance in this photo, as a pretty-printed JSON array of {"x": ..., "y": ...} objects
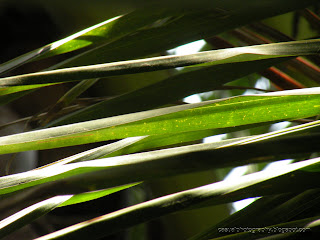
[{"x": 220, "y": 114}]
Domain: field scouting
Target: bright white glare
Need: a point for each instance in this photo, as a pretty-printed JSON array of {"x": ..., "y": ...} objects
[
  {"x": 235, "y": 173},
  {"x": 262, "y": 83},
  {"x": 206, "y": 95},
  {"x": 188, "y": 48},
  {"x": 240, "y": 171},
  {"x": 237, "y": 206},
  {"x": 277, "y": 165},
  {"x": 195, "y": 98},
  {"x": 215, "y": 138},
  {"x": 279, "y": 126}
]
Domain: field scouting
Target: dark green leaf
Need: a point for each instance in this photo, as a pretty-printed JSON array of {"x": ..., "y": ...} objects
[
  {"x": 214, "y": 193},
  {"x": 217, "y": 114}
]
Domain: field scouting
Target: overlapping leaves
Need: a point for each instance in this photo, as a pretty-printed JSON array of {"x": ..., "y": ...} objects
[
  {"x": 217, "y": 114},
  {"x": 123, "y": 38}
]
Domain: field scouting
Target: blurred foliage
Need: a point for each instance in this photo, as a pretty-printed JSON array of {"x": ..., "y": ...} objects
[{"x": 120, "y": 135}]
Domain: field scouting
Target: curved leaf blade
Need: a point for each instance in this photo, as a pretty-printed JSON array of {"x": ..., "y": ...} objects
[
  {"x": 217, "y": 114},
  {"x": 29, "y": 214},
  {"x": 167, "y": 91},
  {"x": 212, "y": 18},
  {"x": 214, "y": 193},
  {"x": 214, "y": 57},
  {"x": 100, "y": 34},
  {"x": 160, "y": 163}
]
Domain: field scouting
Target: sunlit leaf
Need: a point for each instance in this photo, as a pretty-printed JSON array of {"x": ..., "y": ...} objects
[
  {"x": 241, "y": 54},
  {"x": 168, "y": 91},
  {"x": 208, "y": 18},
  {"x": 215, "y": 193},
  {"x": 192, "y": 117},
  {"x": 29, "y": 214},
  {"x": 116, "y": 170}
]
